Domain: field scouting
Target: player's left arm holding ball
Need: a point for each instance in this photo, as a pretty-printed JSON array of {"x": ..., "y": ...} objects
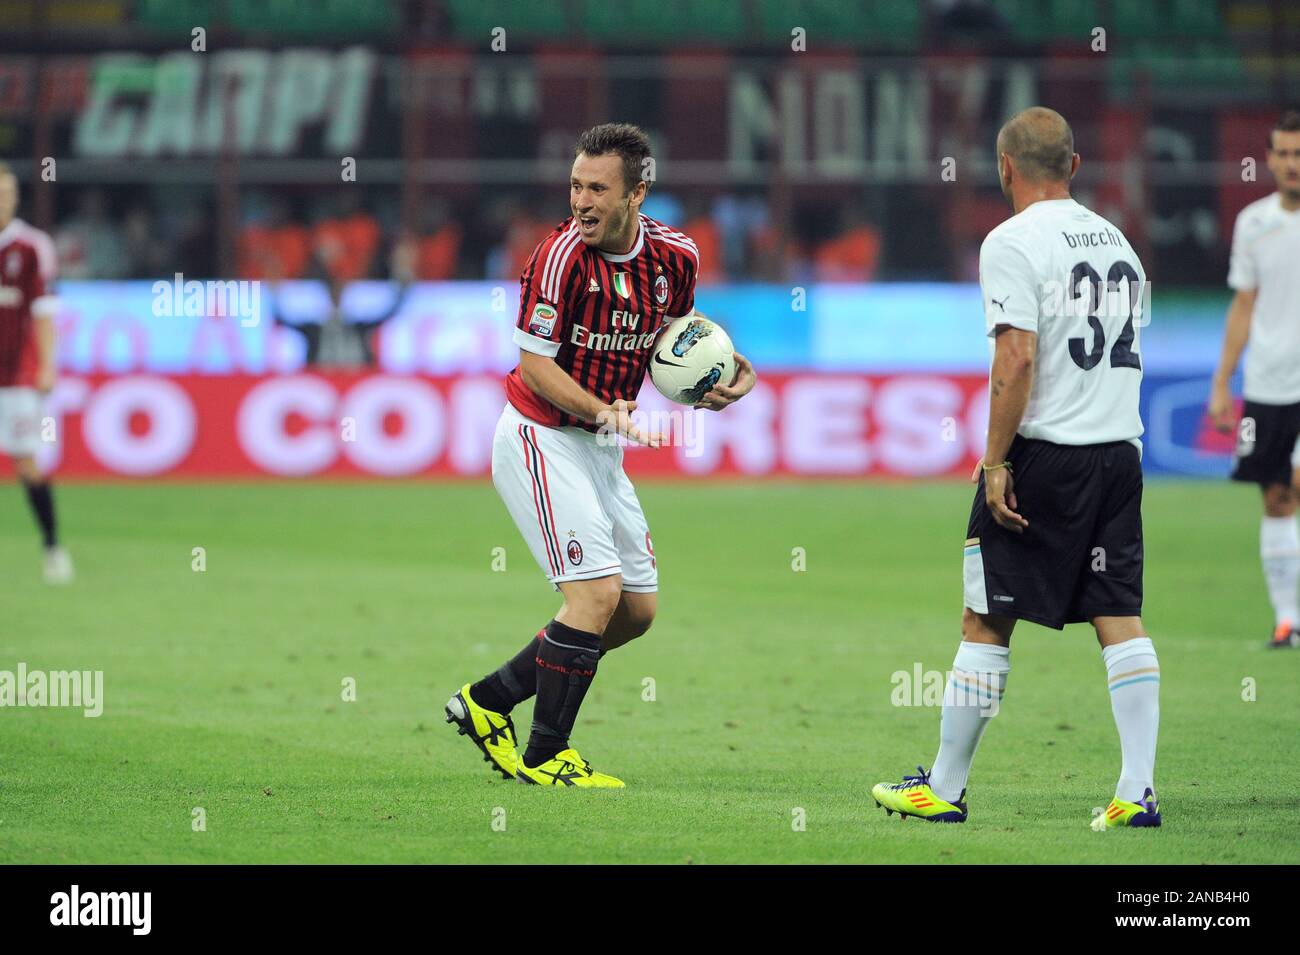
[
  {"x": 742, "y": 384},
  {"x": 683, "y": 306},
  {"x": 722, "y": 395}
]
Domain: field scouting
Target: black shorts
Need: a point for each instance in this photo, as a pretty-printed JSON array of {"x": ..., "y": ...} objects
[
  {"x": 1081, "y": 556},
  {"x": 1266, "y": 443}
]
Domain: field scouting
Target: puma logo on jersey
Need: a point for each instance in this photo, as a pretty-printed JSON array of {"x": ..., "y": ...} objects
[{"x": 999, "y": 304}]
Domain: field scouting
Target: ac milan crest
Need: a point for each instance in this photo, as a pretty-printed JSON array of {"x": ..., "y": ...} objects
[{"x": 661, "y": 289}]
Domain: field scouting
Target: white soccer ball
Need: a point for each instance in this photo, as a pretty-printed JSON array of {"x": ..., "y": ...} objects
[{"x": 689, "y": 357}]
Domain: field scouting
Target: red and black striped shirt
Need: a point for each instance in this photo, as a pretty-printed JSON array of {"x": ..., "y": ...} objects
[
  {"x": 597, "y": 314},
  {"x": 26, "y": 279}
]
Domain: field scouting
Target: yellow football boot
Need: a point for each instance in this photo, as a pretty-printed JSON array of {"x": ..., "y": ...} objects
[
  {"x": 566, "y": 768},
  {"x": 1144, "y": 814},
  {"x": 493, "y": 733},
  {"x": 914, "y": 797}
]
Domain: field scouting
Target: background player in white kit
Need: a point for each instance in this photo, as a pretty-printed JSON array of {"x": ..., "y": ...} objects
[
  {"x": 1055, "y": 532},
  {"x": 1265, "y": 273},
  {"x": 592, "y": 299},
  {"x": 27, "y": 361}
]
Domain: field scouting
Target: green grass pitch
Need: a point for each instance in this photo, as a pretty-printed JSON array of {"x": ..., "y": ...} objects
[{"x": 772, "y": 686}]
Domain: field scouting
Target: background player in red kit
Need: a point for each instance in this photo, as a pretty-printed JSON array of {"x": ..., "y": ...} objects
[
  {"x": 593, "y": 296},
  {"x": 27, "y": 369}
]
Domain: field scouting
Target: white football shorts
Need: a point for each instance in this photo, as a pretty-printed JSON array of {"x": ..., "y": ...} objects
[
  {"x": 20, "y": 421},
  {"x": 570, "y": 499}
]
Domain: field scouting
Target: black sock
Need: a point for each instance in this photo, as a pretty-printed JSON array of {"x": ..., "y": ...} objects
[
  {"x": 42, "y": 502},
  {"x": 511, "y": 684},
  {"x": 566, "y": 665}
]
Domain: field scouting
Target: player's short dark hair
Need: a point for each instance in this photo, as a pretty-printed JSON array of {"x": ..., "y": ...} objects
[
  {"x": 629, "y": 142},
  {"x": 1288, "y": 122},
  {"x": 1041, "y": 143}
]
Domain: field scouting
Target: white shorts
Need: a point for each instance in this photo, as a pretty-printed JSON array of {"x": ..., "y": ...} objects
[
  {"x": 20, "y": 421},
  {"x": 570, "y": 499}
]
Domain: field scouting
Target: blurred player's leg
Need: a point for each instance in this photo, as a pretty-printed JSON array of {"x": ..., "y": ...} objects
[
  {"x": 1279, "y": 553},
  {"x": 20, "y": 413},
  {"x": 1133, "y": 673}
]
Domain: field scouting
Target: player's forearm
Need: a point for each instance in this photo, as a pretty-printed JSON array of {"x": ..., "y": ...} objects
[
  {"x": 1010, "y": 381},
  {"x": 1236, "y": 334},
  {"x": 43, "y": 330},
  {"x": 551, "y": 383}
]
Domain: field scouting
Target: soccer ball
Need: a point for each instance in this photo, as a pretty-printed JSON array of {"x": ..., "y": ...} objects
[{"x": 689, "y": 357}]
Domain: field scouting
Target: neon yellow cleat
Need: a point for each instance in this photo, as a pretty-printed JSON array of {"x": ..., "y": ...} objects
[
  {"x": 914, "y": 797},
  {"x": 566, "y": 768},
  {"x": 493, "y": 733},
  {"x": 1138, "y": 815}
]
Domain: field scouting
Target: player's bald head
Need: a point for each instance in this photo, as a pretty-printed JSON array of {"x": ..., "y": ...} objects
[{"x": 1040, "y": 144}]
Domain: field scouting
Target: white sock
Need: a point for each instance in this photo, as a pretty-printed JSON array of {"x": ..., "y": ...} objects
[
  {"x": 1134, "y": 675},
  {"x": 971, "y": 699},
  {"x": 1279, "y": 551}
]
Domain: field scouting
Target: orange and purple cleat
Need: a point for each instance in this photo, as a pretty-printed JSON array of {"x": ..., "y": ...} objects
[{"x": 1285, "y": 635}]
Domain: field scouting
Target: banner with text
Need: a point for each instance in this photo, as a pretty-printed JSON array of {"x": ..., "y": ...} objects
[{"x": 384, "y": 425}]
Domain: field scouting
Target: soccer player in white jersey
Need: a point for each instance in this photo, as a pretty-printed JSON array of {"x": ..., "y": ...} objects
[
  {"x": 1264, "y": 272},
  {"x": 1055, "y": 531}
]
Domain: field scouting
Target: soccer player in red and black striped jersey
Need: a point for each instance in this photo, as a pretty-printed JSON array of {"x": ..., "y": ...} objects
[
  {"x": 27, "y": 369},
  {"x": 594, "y": 296}
]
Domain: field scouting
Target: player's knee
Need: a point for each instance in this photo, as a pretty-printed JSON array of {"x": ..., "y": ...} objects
[
  {"x": 599, "y": 598},
  {"x": 1279, "y": 500},
  {"x": 985, "y": 628},
  {"x": 26, "y": 469},
  {"x": 641, "y": 616}
]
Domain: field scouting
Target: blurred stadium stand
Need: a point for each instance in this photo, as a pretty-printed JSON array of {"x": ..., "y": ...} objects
[
  {"x": 803, "y": 143},
  {"x": 788, "y": 166}
]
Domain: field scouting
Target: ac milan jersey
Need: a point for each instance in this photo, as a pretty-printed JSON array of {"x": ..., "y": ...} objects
[
  {"x": 26, "y": 279},
  {"x": 597, "y": 314}
]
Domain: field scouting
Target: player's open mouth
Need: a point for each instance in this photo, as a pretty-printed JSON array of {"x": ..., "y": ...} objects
[{"x": 588, "y": 224}]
